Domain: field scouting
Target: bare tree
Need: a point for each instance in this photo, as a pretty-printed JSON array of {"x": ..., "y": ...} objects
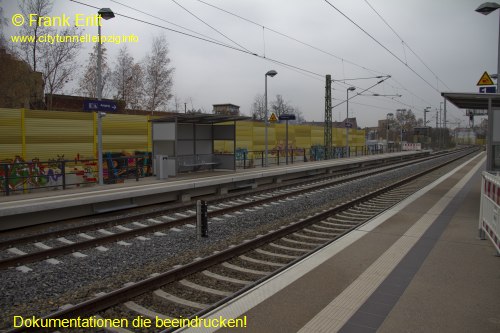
[
  {"x": 280, "y": 106},
  {"x": 122, "y": 75},
  {"x": 258, "y": 107},
  {"x": 3, "y": 24},
  {"x": 406, "y": 118},
  {"x": 136, "y": 88},
  {"x": 299, "y": 116},
  {"x": 32, "y": 50},
  {"x": 88, "y": 82},
  {"x": 59, "y": 63},
  {"x": 56, "y": 61},
  {"x": 158, "y": 75}
]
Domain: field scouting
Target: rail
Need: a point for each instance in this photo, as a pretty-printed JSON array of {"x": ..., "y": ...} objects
[
  {"x": 23, "y": 177},
  {"x": 489, "y": 223}
]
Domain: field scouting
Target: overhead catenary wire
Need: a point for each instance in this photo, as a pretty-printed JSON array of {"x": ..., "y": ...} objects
[
  {"x": 211, "y": 27},
  {"x": 291, "y": 38},
  {"x": 308, "y": 45},
  {"x": 300, "y": 69},
  {"x": 161, "y": 19},
  {"x": 362, "y": 91},
  {"x": 382, "y": 45},
  {"x": 406, "y": 44}
]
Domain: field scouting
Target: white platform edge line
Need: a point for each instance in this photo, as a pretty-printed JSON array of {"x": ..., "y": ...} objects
[{"x": 334, "y": 316}]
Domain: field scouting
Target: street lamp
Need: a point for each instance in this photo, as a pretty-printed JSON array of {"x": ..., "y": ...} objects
[
  {"x": 387, "y": 129},
  {"x": 427, "y": 109},
  {"x": 485, "y": 9},
  {"x": 106, "y": 14},
  {"x": 271, "y": 73},
  {"x": 347, "y": 122}
]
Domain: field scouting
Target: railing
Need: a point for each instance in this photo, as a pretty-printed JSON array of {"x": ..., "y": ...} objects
[
  {"x": 22, "y": 177},
  {"x": 489, "y": 223},
  {"x": 250, "y": 159}
]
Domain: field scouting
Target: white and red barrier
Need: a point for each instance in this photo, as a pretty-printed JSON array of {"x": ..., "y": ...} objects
[
  {"x": 489, "y": 223},
  {"x": 411, "y": 146}
]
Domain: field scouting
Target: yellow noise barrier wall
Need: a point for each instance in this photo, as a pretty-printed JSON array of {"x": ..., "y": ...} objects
[
  {"x": 48, "y": 135},
  {"x": 250, "y": 135}
]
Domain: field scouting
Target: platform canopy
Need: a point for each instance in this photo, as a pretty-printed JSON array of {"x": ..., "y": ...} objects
[
  {"x": 490, "y": 102},
  {"x": 472, "y": 100},
  {"x": 199, "y": 118}
]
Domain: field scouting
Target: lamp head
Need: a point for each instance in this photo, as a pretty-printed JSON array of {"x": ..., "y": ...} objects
[
  {"x": 487, "y": 8},
  {"x": 106, "y": 13},
  {"x": 351, "y": 88},
  {"x": 271, "y": 73}
]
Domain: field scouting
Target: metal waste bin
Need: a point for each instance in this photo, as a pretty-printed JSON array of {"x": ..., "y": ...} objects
[{"x": 161, "y": 168}]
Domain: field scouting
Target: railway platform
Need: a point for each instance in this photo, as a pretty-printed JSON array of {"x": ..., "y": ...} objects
[
  {"x": 38, "y": 207},
  {"x": 419, "y": 267}
]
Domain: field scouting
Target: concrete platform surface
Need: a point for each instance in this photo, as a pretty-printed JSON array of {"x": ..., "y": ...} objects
[{"x": 419, "y": 267}]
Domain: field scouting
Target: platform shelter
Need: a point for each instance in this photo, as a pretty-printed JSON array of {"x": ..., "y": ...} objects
[
  {"x": 490, "y": 102},
  {"x": 186, "y": 141}
]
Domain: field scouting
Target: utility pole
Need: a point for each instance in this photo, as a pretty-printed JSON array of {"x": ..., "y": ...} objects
[
  {"x": 328, "y": 117},
  {"x": 441, "y": 137},
  {"x": 437, "y": 127}
]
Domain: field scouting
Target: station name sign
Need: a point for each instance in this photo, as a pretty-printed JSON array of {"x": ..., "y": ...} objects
[{"x": 95, "y": 105}]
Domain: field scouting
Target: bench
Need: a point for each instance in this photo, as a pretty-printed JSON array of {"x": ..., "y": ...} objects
[{"x": 196, "y": 166}]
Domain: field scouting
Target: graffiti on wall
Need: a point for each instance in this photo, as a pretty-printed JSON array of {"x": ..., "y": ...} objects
[
  {"x": 120, "y": 166},
  {"x": 20, "y": 175}
]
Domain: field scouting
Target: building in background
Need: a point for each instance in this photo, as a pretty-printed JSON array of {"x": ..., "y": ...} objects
[
  {"x": 226, "y": 109},
  {"x": 20, "y": 87}
]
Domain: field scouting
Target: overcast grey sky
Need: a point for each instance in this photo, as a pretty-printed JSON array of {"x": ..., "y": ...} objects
[{"x": 454, "y": 41}]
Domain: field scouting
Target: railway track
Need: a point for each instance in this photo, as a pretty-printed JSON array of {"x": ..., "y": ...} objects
[
  {"x": 48, "y": 246},
  {"x": 205, "y": 283},
  {"x": 21, "y": 251}
]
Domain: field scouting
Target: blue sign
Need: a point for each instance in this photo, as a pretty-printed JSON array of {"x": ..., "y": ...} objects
[
  {"x": 487, "y": 90},
  {"x": 95, "y": 105},
  {"x": 287, "y": 117},
  {"x": 348, "y": 125}
]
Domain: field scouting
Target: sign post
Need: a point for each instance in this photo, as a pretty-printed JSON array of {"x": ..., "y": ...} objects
[
  {"x": 95, "y": 105},
  {"x": 287, "y": 117},
  {"x": 485, "y": 83},
  {"x": 485, "y": 80}
]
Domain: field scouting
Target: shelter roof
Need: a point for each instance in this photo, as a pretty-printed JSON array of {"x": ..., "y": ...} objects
[
  {"x": 199, "y": 118},
  {"x": 472, "y": 100}
]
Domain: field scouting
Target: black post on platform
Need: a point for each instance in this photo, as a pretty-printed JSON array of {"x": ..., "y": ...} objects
[
  {"x": 6, "y": 178},
  {"x": 201, "y": 219},
  {"x": 63, "y": 173}
]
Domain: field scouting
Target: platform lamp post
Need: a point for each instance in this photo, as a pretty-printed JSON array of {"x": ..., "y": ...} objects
[
  {"x": 485, "y": 9},
  {"x": 270, "y": 73},
  {"x": 347, "y": 122},
  {"x": 106, "y": 14},
  {"x": 387, "y": 129}
]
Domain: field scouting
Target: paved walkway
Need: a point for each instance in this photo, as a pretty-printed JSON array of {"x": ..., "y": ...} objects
[{"x": 418, "y": 268}]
